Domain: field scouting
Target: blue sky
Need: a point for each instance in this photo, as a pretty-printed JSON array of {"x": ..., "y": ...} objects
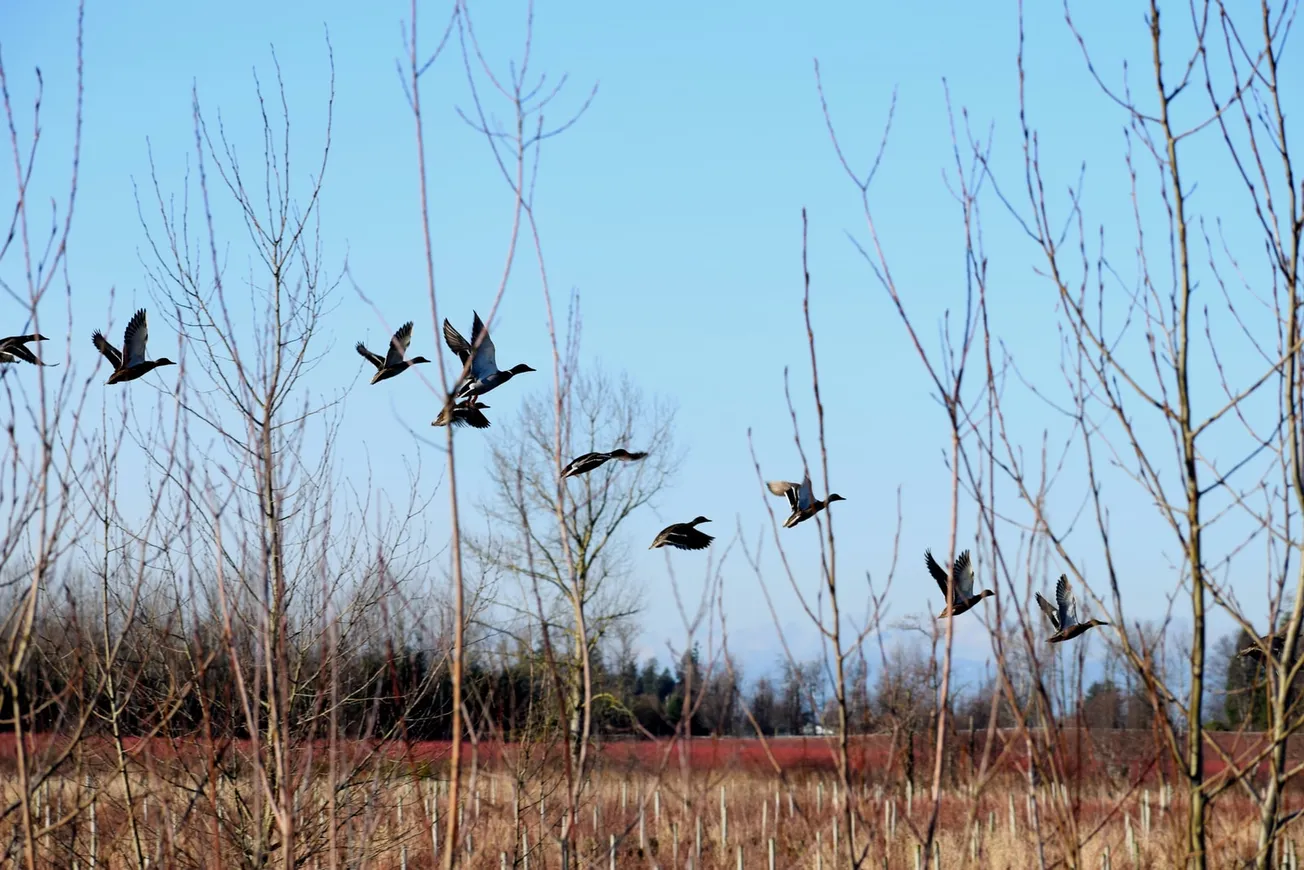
[{"x": 673, "y": 209}]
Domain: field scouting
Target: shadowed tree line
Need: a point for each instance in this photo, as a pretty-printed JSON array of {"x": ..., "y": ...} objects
[{"x": 181, "y": 681}]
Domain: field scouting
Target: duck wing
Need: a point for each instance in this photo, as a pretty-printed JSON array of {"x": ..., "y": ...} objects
[
  {"x": 938, "y": 574},
  {"x": 398, "y": 345},
  {"x": 683, "y": 536},
  {"x": 785, "y": 488},
  {"x": 469, "y": 414},
  {"x": 485, "y": 362},
  {"x": 583, "y": 464},
  {"x": 16, "y": 348},
  {"x": 1068, "y": 603},
  {"x": 456, "y": 343},
  {"x": 370, "y": 357},
  {"x": 111, "y": 353},
  {"x": 964, "y": 575},
  {"x": 805, "y": 498},
  {"x": 134, "y": 339},
  {"x": 1049, "y": 609}
]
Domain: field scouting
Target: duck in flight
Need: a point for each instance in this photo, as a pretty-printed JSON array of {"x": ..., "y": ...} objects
[
  {"x": 1275, "y": 644},
  {"x": 589, "y": 461},
  {"x": 1064, "y": 617},
  {"x": 800, "y": 498},
  {"x": 466, "y": 413},
  {"x": 393, "y": 362},
  {"x": 484, "y": 374},
  {"x": 15, "y": 349},
  {"x": 963, "y": 599},
  {"x": 683, "y": 536},
  {"x": 129, "y": 363}
]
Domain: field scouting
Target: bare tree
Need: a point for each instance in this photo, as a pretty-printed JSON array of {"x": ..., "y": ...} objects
[
  {"x": 1212, "y": 453},
  {"x": 291, "y": 578},
  {"x": 43, "y": 453},
  {"x": 601, "y": 413}
]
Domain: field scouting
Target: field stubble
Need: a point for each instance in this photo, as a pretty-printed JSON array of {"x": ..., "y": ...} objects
[{"x": 713, "y": 806}]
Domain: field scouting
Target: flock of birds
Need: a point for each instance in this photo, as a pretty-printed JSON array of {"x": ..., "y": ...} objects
[{"x": 479, "y": 362}]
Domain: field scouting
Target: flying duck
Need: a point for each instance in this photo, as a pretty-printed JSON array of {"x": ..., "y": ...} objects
[
  {"x": 14, "y": 348},
  {"x": 800, "y": 498},
  {"x": 129, "y": 363},
  {"x": 589, "y": 461},
  {"x": 1254, "y": 649},
  {"x": 466, "y": 413},
  {"x": 683, "y": 536},
  {"x": 393, "y": 362},
  {"x": 964, "y": 598},
  {"x": 484, "y": 374},
  {"x": 1064, "y": 618}
]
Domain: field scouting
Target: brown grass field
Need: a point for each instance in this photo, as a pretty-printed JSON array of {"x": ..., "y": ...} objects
[{"x": 715, "y": 804}]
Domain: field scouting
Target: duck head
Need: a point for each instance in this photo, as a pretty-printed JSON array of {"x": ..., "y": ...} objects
[
  {"x": 833, "y": 496},
  {"x": 163, "y": 361},
  {"x": 521, "y": 369},
  {"x": 418, "y": 359},
  {"x": 699, "y": 521}
]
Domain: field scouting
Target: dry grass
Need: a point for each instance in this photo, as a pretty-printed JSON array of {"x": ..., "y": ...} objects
[{"x": 385, "y": 822}]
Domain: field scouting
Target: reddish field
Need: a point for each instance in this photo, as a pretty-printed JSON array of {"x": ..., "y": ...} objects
[{"x": 1131, "y": 755}]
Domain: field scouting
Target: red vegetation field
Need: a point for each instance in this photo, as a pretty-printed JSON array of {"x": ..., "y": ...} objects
[{"x": 1130, "y": 755}]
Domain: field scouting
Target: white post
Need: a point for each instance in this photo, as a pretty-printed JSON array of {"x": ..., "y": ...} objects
[
  {"x": 434, "y": 824},
  {"x": 611, "y": 851},
  {"x": 642, "y": 833},
  {"x": 724, "y": 820},
  {"x": 402, "y": 849},
  {"x": 94, "y": 831}
]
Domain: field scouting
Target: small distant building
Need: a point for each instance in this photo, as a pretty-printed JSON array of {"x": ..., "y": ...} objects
[{"x": 814, "y": 729}]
